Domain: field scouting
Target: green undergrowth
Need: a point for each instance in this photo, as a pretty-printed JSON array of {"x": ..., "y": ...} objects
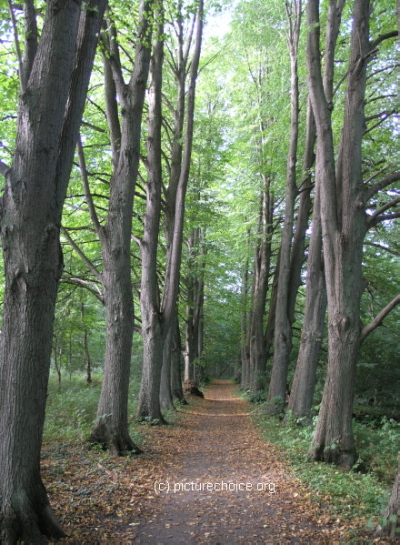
[
  {"x": 71, "y": 409},
  {"x": 349, "y": 495}
]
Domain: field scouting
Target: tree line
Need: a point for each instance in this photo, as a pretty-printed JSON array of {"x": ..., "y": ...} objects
[{"x": 122, "y": 188}]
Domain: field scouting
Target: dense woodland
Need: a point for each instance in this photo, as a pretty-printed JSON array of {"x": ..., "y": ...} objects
[{"x": 191, "y": 191}]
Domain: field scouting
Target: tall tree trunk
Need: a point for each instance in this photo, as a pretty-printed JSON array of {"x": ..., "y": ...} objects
[
  {"x": 283, "y": 325},
  {"x": 261, "y": 269},
  {"x": 244, "y": 328},
  {"x": 111, "y": 428},
  {"x": 53, "y": 88},
  {"x": 180, "y": 168},
  {"x": 153, "y": 327},
  {"x": 166, "y": 396},
  {"x": 302, "y": 391},
  {"x": 343, "y": 227},
  {"x": 301, "y": 396}
]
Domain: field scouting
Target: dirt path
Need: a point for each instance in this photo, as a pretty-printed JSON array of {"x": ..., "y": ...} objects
[
  {"x": 207, "y": 479},
  {"x": 227, "y": 486}
]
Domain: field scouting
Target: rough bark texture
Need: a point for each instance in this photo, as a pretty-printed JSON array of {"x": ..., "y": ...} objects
[
  {"x": 343, "y": 230},
  {"x": 54, "y": 84},
  {"x": 302, "y": 391},
  {"x": 111, "y": 428}
]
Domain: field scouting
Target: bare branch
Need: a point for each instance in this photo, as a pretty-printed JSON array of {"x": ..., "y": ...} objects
[
  {"x": 376, "y": 217},
  {"x": 384, "y": 248},
  {"x": 383, "y": 37},
  {"x": 377, "y": 321},
  {"x": 86, "y": 189},
  {"x": 385, "y": 182},
  {"x": 84, "y": 258},
  {"x": 92, "y": 287}
]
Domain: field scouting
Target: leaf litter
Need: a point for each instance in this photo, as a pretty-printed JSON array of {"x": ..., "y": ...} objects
[{"x": 207, "y": 479}]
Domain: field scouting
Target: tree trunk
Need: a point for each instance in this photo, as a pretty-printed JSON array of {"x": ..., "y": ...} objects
[
  {"x": 262, "y": 261},
  {"x": 111, "y": 427},
  {"x": 283, "y": 325},
  {"x": 88, "y": 362},
  {"x": 153, "y": 327},
  {"x": 244, "y": 329},
  {"x": 53, "y": 90},
  {"x": 166, "y": 396},
  {"x": 344, "y": 226},
  {"x": 301, "y": 396},
  {"x": 165, "y": 315},
  {"x": 176, "y": 375},
  {"x": 302, "y": 391}
]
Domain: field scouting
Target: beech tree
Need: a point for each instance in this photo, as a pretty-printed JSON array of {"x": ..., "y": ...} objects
[
  {"x": 54, "y": 76},
  {"x": 348, "y": 210}
]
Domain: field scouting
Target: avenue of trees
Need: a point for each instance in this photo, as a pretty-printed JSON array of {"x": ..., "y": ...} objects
[{"x": 186, "y": 200}]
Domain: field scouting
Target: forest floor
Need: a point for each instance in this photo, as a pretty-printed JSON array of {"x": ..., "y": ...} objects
[{"x": 207, "y": 479}]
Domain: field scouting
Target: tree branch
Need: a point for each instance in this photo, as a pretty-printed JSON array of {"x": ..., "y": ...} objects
[
  {"x": 92, "y": 287},
  {"x": 384, "y": 248},
  {"x": 86, "y": 189},
  {"x": 22, "y": 75},
  {"x": 372, "y": 220},
  {"x": 383, "y": 37},
  {"x": 385, "y": 182},
  {"x": 84, "y": 258},
  {"x": 377, "y": 321},
  {"x": 4, "y": 168}
]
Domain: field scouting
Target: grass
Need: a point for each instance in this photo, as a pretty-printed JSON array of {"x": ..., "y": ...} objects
[
  {"x": 351, "y": 495},
  {"x": 71, "y": 410}
]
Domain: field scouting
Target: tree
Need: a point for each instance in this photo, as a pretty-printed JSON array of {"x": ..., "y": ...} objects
[
  {"x": 283, "y": 325},
  {"x": 54, "y": 76},
  {"x": 111, "y": 428},
  {"x": 165, "y": 316},
  {"x": 124, "y": 104},
  {"x": 345, "y": 203},
  {"x": 302, "y": 391}
]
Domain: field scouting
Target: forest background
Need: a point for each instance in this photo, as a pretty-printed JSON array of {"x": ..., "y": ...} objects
[{"x": 231, "y": 210}]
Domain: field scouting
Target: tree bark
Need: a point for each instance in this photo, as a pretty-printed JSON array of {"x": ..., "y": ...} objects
[
  {"x": 111, "y": 427},
  {"x": 176, "y": 374},
  {"x": 153, "y": 329},
  {"x": 302, "y": 391},
  {"x": 343, "y": 230},
  {"x": 283, "y": 326},
  {"x": 262, "y": 260},
  {"x": 56, "y": 77},
  {"x": 149, "y": 399}
]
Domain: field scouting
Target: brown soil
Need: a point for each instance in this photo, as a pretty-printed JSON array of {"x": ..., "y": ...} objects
[{"x": 208, "y": 479}]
